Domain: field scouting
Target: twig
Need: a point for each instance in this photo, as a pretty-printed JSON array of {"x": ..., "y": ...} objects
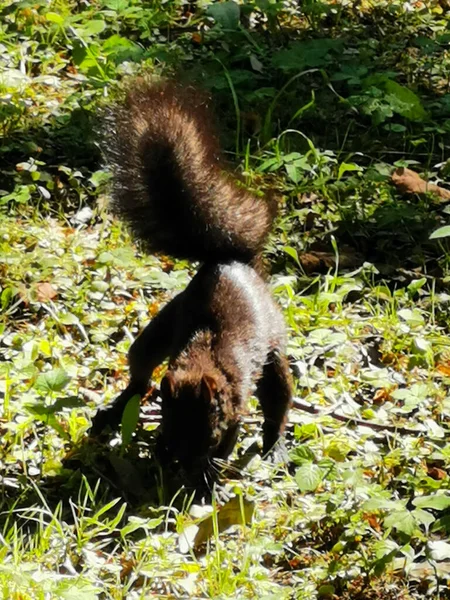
[{"x": 313, "y": 410}]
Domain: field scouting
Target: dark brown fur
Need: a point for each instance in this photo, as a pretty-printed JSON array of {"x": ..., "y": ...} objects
[
  {"x": 223, "y": 335},
  {"x": 168, "y": 179}
]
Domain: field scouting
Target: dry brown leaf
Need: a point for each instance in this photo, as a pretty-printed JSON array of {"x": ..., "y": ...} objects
[
  {"x": 436, "y": 473},
  {"x": 230, "y": 514},
  {"x": 324, "y": 261},
  {"x": 410, "y": 182},
  {"x": 373, "y": 520},
  {"x": 45, "y": 291},
  {"x": 444, "y": 369},
  {"x": 381, "y": 395}
]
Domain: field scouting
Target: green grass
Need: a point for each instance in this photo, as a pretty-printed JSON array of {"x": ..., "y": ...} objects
[{"x": 318, "y": 104}]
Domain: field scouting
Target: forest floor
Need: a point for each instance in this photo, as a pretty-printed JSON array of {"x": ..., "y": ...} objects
[{"x": 341, "y": 110}]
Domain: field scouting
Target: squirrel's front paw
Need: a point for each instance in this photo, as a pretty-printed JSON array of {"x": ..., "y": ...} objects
[
  {"x": 278, "y": 454},
  {"x": 99, "y": 422},
  {"x": 104, "y": 417}
]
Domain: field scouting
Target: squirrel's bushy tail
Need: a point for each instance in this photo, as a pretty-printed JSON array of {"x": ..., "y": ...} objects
[{"x": 168, "y": 183}]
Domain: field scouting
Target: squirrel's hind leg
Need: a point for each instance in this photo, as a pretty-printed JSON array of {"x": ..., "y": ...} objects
[
  {"x": 274, "y": 391},
  {"x": 149, "y": 350}
]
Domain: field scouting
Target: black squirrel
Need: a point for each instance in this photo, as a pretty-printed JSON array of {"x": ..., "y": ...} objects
[{"x": 223, "y": 334}]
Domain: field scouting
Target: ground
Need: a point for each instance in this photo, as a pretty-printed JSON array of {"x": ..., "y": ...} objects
[{"x": 322, "y": 105}]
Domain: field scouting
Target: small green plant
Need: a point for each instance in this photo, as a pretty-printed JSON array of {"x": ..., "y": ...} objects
[{"x": 318, "y": 102}]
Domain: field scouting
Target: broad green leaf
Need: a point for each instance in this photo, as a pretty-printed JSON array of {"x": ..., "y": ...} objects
[
  {"x": 226, "y": 14},
  {"x": 91, "y": 28},
  {"x": 403, "y": 521},
  {"x": 436, "y": 501},
  {"x": 68, "y": 318},
  {"x": 380, "y": 503},
  {"x": 442, "y": 232},
  {"x": 117, "y": 5},
  {"x": 413, "y": 317},
  {"x": 416, "y": 285},
  {"x": 52, "y": 381},
  {"x": 76, "y": 589},
  {"x": 294, "y": 173},
  {"x": 99, "y": 177},
  {"x": 338, "y": 450},
  {"x": 412, "y": 396},
  {"x": 308, "y": 477},
  {"x": 413, "y": 108},
  {"x": 423, "y": 517},
  {"x": 385, "y": 547},
  {"x": 135, "y": 523},
  {"x": 345, "y": 167},
  {"x": 439, "y": 550},
  {"x": 13, "y": 78},
  {"x": 302, "y": 454},
  {"x": 385, "y": 551},
  {"x": 130, "y": 418},
  {"x": 304, "y": 54},
  {"x": 54, "y": 18},
  {"x": 41, "y": 409},
  {"x": 122, "y": 257}
]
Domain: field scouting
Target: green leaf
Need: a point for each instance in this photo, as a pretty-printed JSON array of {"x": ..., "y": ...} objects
[
  {"x": 442, "y": 232},
  {"x": 13, "y": 79},
  {"x": 439, "y": 550},
  {"x": 76, "y": 589},
  {"x": 416, "y": 285},
  {"x": 117, "y": 5},
  {"x": 437, "y": 502},
  {"x": 52, "y": 381},
  {"x": 135, "y": 523},
  {"x": 423, "y": 517},
  {"x": 308, "y": 477},
  {"x": 345, "y": 167},
  {"x": 413, "y": 317},
  {"x": 305, "y": 54},
  {"x": 302, "y": 454},
  {"x": 403, "y": 521},
  {"x": 68, "y": 318},
  {"x": 40, "y": 409},
  {"x": 6, "y": 297},
  {"x": 121, "y": 257},
  {"x": 226, "y": 14},
  {"x": 411, "y": 108},
  {"x": 294, "y": 173},
  {"x": 130, "y": 418},
  {"x": 54, "y": 18},
  {"x": 91, "y": 28},
  {"x": 21, "y": 193},
  {"x": 292, "y": 252},
  {"x": 99, "y": 177}
]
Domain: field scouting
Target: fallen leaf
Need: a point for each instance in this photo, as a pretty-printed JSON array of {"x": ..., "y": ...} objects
[
  {"x": 373, "y": 521},
  {"x": 444, "y": 369},
  {"x": 410, "y": 182},
  {"x": 45, "y": 291},
  {"x": 324, "y": 261},
  {"x": 381, "y": 395},
  {"x": 436, "y": 473},
  {"x": 230, "y": 514}
]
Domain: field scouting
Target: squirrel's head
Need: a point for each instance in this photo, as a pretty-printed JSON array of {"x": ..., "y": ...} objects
[{"x": 196, "y": 414}]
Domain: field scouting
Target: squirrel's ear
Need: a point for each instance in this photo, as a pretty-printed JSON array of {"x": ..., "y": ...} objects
[
  {"x": 168, "y": 385},
  {"x": 208, "y": 388}
]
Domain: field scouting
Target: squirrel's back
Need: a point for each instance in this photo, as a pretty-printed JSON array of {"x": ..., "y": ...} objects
[{"x": 168, "y": 182}]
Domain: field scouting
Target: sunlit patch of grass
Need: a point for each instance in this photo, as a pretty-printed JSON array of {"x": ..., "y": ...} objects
[{"x": 318, "y": 105}]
